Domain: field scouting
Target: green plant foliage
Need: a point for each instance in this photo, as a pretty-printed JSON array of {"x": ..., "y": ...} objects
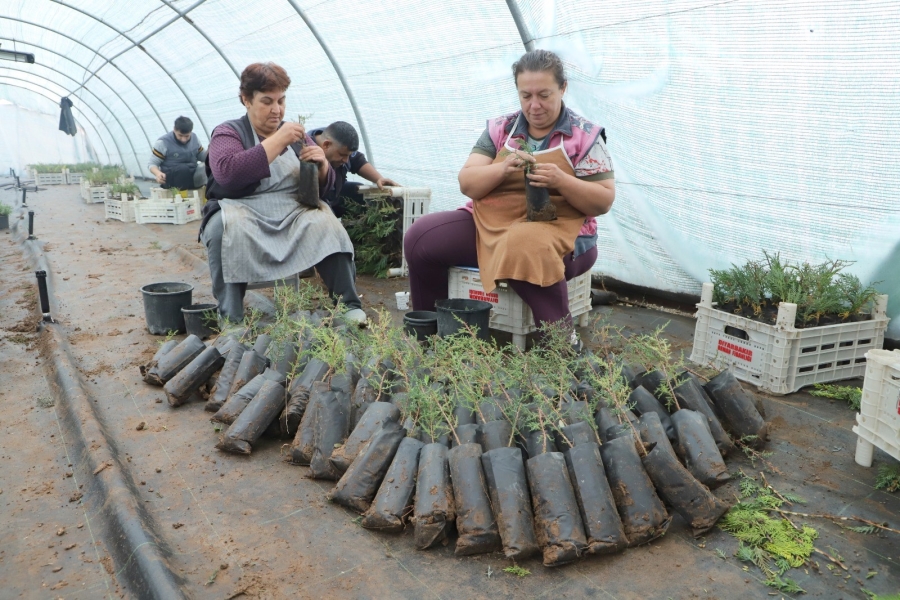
[
  {"x": 874, "y": 596},
  {"x": 376, "y": 229},
  {"x": 820, "y": 291},
  {"x": 105, "y": 175},
  {"x": 5, "y": 209},
  {"x": 517, "y": 570},
  {"x": 774, "y": 545},
  {"x": 125, "y": 188},
  {"x": 888, "y": 478},
  {"x": 850, "y": 395},
  {"x": 47, "y": 167}
]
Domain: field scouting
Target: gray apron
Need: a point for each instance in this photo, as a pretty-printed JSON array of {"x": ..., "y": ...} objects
[{"x": 270, "y": 235}]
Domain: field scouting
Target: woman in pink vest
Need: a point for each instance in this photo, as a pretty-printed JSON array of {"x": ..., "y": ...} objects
[{"x": 564, "y": 153}]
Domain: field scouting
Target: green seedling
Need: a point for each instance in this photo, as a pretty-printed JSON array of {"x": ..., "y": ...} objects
[
  {"x": 888, "y": 478},
  {"x": 517, "y": 571}
]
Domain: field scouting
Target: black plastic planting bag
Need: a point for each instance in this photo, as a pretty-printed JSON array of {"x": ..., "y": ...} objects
[
  {"x": 391, "y": 506},
  {"x": 163, "y": 350},
  {"x": 467, "y": 434},
  {"x": 645, "y": 402},
  {"x": 690, "y": 498},
  {"x": 690, "y": 395},
  {"x": 495, "y": 434},
  {"x": 557, "y": 519},
  {"x": 652, "y": 432},
  {"x": 539, "y": 441},
  {"x": 197, "y": 372},
  {"x": 605, "y": 420},
  {"x": 237, "y": 402},
  {"x": 602, "y": 525},
  {"x": 359, "y": 483},
  {"x": 299, "y": 393},
  {"x": 697, "y": 446},
  {"x": 254, "y": 419},
  {"x": 283, "y": 355},
  {"x": 653, "y": 382},
  {"x": 632, "y": 374},
  {"x": 434, "y": 511},
  {"x": 219, "y": 394},
  {"x": 738, "y": 409},
  {"x": 305, "y": 439},
  {"x": 251, "y": 365},
  {"x": 170, "y": 363},
  {"x": 475, "y": 522},
  {"x": 262, "y": 344},
  {"x": 490, "y": 409},
  {"x": 464, "y": 415},
  {"x": 504, "y": 472},
  {"x": 342, "y": 385},
  {"x": 575, "y": 411},
  {"x": 377, "y": 415},
  {"x": 364, "y": 393},
  {"x": 578, "y": 433},
  {"x": 643, "y": 515},
  {"x": 332, "y": 427}
]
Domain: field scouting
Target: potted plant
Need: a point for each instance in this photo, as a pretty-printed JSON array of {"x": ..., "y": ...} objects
[
  {"x": 127, "y": 191},
  {"x": 537, "y": 199},
  {"x": 5, "y": 210}
]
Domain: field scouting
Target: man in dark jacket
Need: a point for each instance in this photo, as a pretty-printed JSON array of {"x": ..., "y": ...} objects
[
  {"x": 175, "y": 158},
  {"x": 341, "y": 145}
]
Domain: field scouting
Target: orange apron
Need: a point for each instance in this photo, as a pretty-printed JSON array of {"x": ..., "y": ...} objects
[{"x": 511, "y": 247}]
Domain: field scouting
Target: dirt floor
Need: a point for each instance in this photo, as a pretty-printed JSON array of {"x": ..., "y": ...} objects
[{"x": 255, "y": 527}]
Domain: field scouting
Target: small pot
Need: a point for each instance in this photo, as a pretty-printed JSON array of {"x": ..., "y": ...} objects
[
  {"x": 422, "y": 323},
  {"x": 201, "y": 319}
]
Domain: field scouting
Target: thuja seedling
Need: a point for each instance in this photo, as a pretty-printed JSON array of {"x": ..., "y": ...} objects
[{"x": 517, "y": 570}]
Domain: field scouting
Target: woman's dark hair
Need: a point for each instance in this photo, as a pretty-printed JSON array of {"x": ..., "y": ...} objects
[
  {"x": 538, "y": 61},
  {"x": 263, "y": 77}
]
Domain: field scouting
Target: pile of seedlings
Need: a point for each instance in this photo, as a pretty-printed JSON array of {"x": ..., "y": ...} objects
[
  {"x": 823, "y": 293},
  {"x": 545, "y": 453},
  {"x": 376, "y": 229}
]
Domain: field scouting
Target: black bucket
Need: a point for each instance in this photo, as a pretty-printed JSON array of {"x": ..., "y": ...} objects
[
  {"x": 162, "y": 306},
  {"x": 201, "y": 319},
  {"x": 474, "y": 313},
  {"x": 422, "y": 323}
]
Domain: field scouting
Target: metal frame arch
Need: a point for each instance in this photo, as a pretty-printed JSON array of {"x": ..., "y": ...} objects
[
  {"x": 122, "y": 127},
  {"x": 147, "y": 137},
  {"x": 80, "y": 43},
  {"x": 521, "y": 25},
  {"x": 88, "y": 121},
  {"x": 206, "y": 37},
  {"x": 341, "y": 77},
  {"x": 136, "y": 44}
]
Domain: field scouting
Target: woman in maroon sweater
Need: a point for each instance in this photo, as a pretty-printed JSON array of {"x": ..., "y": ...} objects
[{"x": 265, "y": 219}]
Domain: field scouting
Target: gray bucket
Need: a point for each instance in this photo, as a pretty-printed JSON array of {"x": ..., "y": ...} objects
[
  {"x": 162, "y": 306},
  {"x": 201, "y": 320},
  {"x": 474, "y": 313}
]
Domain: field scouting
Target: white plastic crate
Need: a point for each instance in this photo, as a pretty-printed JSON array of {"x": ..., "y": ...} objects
[
  {"x": 74, "y": 177},
  {"x": 121, "y": 210},
  {"x": 878, "y": 419},
  {"x": 93, "y": 194},
  {"x": 416, "y": 203},
  {"x": 780, "y": 358},
  {"x": 166, "y": 195},
  {"x": 50, "y": 178},
  {"x": 509, "y": 312},
  {"x": 176, "y": 213},
  {"x": 158, "y": 193}
]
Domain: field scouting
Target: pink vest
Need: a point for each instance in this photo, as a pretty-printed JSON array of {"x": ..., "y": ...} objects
[{"x": 576, "y": 146}]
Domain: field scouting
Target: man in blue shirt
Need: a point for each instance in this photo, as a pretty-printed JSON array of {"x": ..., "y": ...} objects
[{"x": 340, "y": 142}]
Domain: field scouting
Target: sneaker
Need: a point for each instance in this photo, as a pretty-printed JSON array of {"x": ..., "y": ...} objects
[{"x": 357, "y": 316}]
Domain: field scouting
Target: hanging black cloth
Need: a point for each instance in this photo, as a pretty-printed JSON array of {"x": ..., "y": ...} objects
[{"x": 66, "y": 120}]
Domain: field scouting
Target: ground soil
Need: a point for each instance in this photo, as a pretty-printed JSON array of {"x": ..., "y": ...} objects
[{"x": 255, "y": 527}]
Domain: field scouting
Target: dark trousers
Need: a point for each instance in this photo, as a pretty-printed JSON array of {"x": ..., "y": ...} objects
[
  {"x": 438, "y": 241},
  {"x": 337, "y": 271}
]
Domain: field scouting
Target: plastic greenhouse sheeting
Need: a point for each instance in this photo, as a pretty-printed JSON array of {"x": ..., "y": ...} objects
[{"x": 734, "y": 126}]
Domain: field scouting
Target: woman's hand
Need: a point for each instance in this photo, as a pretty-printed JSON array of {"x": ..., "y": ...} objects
[
  {"x": 290, "y": 133},
  {"x": 516, "y": 162},
  {"x": 314, "y": 154},
  {"x": 547, "y": 175}
]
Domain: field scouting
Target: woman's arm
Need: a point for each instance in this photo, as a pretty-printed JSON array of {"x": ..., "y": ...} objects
[
  {"x": 480, "y": 175},
  {"x": 232, "y": 166},
  {"x": 593, "y": 198}
]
